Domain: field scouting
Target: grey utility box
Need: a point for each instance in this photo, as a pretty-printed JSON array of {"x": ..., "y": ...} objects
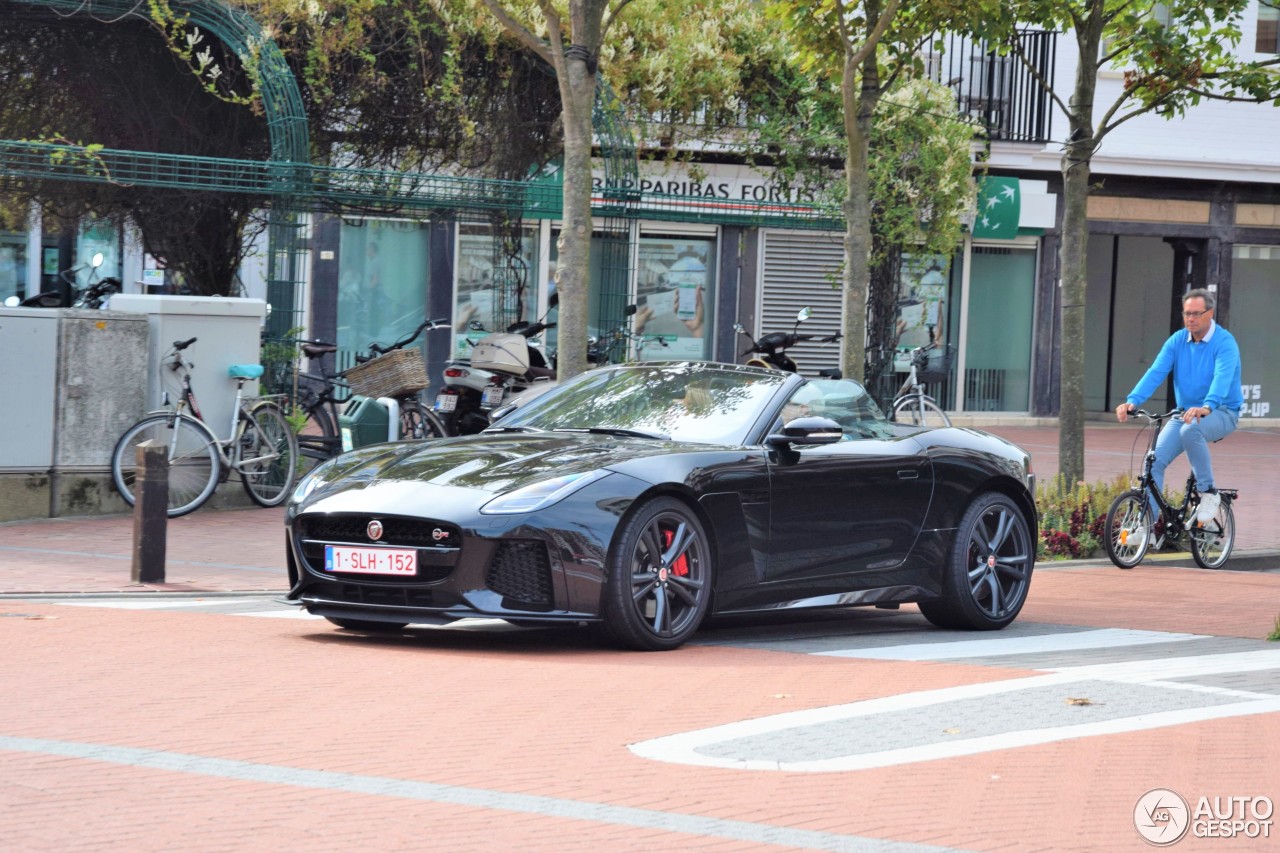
[
  {"x": 228, "y": 331},
  {"x": 75, "y": 381},
  {"x": 29, "y": 351}
]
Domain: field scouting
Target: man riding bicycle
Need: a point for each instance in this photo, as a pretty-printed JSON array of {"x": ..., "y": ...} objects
[{"x": 1205, "y": 362}]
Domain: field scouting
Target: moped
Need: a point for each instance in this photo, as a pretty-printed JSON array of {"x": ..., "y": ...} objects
[
  {"x": 771, "y": 350},
  {"x": 95, "y": 295}
]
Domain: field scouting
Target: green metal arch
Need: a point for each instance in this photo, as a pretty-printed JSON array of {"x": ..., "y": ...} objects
[{"x": 235, "y": 28}]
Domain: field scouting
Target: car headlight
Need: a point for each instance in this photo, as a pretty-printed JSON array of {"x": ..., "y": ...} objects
[
  {"x": 541, "y": 495},
  {"x": 312, "y": 481}
]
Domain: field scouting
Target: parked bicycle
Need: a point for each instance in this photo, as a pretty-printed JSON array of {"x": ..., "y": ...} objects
[
  {"x": 1133, "y": 529},
  {"x": 912, "y": 405},
  {"x": 399, "y": 373},
  {"x": 319, "y": 396},
  {"x": 262, "y": 447}
]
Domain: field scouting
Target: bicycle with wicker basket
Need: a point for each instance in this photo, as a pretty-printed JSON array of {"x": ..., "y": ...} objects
[
  {"x": 912, "y": 405},
  {"x": 399, "y": 373}
]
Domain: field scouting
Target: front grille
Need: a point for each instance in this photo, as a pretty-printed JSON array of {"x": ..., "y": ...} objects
[
  {"x": 437, "y": 543},
  {"x": 406, "y": 532},
  {"x": 521, "y": 572}
]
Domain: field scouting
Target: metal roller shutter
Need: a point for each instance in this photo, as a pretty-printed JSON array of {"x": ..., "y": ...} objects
[{"x": 803, "y": 268}]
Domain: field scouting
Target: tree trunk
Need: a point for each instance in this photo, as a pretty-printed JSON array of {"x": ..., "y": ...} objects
[
  {"x": 573, "y": 272},
  {"x": 859, "y": 104},
  {"x": 1075, "y": 238},
  {"x": 1073, "y": 252}
]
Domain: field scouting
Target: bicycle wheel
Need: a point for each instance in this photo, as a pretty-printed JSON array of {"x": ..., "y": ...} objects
[
  {"x": 194, "y": 464},
  {"x": 268, "y": 454},
  {"x": 919, "y": 410},
  {"x": 319, "y": 438},
  {"x": 1128, "y": 532},
  {"x": 1211, "y": 543},
  {"x": 419, "y": 422}
]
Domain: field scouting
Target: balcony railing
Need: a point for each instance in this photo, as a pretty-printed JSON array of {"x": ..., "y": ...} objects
[{"x": 1000, "y": 92}]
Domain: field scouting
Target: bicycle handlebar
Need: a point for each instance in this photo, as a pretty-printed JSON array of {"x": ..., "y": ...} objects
[
  {"x": 429, "y": 325},
  {"x": 1134, "y": 410}
]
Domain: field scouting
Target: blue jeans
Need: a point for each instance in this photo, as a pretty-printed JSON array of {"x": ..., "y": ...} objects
[{"x": 1194, "y": 438}]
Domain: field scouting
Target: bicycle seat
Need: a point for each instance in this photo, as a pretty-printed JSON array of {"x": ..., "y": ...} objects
[
  {"x": 317, "y": 350},
  {"x": 244, "y": 371}
]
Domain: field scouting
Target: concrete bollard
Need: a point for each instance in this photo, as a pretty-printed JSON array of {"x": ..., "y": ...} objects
[{"x": 150, "y": 512}]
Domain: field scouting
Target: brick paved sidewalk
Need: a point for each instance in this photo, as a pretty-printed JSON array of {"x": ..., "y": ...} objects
[{"x": 243, "y": 549}]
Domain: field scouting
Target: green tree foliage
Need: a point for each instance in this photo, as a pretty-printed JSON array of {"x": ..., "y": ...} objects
[
  {"x": 865, "y": 49},
  {"x": 79, "y": 81},
  {"x": 680, "y": 65},
  {"x": 1173, "y": 54}
]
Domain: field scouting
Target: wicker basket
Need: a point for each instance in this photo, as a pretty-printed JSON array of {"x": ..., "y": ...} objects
[{"x": 399, "y": 373}]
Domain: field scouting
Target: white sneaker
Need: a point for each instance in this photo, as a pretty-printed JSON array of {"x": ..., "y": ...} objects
[
  {"x": 1136, "y": 539},
  {"x": 1209, "y": 502}
]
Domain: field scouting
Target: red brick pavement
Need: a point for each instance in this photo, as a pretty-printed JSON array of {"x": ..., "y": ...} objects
[
  {"x": 549, "y": 715},
  {"x": 553, "y": 718},
  {"x": 243, "y": 549}
]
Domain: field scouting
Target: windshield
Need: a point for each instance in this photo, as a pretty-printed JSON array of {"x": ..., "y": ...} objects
[{"x": 684, "y": 401}]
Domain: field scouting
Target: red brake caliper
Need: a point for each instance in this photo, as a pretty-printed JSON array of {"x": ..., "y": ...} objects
[{"x": 681, "y": 565}]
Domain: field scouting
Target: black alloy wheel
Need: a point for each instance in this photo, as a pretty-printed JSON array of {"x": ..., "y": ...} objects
[
  {"x": 660, "y": 574},
  {"x": 989, "y": 570}
]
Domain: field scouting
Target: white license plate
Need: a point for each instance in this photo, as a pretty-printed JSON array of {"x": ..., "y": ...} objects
[
  {"x": 370, "y": 561},
  {"x": 446, "y": 402},
  {"x": 492, "y": 396}
]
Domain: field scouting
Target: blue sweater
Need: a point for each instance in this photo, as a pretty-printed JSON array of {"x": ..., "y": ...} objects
[{"x": 1204, "y": 374}]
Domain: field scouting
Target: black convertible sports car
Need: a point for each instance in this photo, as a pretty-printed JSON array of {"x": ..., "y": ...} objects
[{"x": 644, "y": 497}]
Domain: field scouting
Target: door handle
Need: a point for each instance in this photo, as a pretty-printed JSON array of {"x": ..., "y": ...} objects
[{"x": 908, "y": 474}]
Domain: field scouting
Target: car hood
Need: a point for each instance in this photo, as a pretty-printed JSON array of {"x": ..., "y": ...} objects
[{"x": 493, "y": 463}]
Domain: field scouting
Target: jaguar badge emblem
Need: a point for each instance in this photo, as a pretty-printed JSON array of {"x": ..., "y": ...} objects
[
  {"x": 374, "y": 530},
  {"x": 439, "y": 534}
]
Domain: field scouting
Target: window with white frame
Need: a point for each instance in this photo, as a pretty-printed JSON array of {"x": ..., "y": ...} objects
[{"x": 1267, "y": 39}]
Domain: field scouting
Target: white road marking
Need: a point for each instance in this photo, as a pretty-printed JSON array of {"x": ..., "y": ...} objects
[
  {"x": 1106, "y": 638},
  {"x": 145, "y": 604},
  {"x": 687, "y": 747}
]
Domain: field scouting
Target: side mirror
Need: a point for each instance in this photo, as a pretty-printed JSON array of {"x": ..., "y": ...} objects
[
  {"x": 804, "y": 314},
  {"x": 737, "y": 327},
  {"x": 12, "y": 302},
  {"x": 97, "y": 260},
  {"x": 554, "y": 301},
  {"x": 806, "y": 431},
  {"x": 631, "y": 309},
  {"x": 475, "y": 326}
]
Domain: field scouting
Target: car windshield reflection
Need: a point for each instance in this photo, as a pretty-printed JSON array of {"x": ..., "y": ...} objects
[{"x": 681, "y": 401}]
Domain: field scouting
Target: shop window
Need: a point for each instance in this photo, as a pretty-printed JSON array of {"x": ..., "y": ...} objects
[
  {"x": 99, "y": 235},
  {"x": 494, "y": 298},
  {"x": 13, "y": 266},
  {"x": 382, "y": 287},
  {"x": 1255, "y": 287},
  {"x": 1001, "y": 318}
]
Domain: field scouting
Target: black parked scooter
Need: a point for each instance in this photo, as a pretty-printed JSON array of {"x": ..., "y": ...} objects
[
  {"x": 93, "y": 296},
  {"x": 771, "y": 349}
]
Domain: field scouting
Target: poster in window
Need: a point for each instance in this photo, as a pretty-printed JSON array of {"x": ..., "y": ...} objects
[
  {"x": 920, "y": 305},
  {"x": 674, "y": 291}
]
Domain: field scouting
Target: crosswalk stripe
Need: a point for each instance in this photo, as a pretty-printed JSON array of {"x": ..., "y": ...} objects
[{"x": 1106, "y": 638}]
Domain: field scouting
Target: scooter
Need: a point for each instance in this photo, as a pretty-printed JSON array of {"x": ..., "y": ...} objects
[
  {"x": 93, "y": 296},
  {"x": 771, "y": 349},
  {"x": 502, "y": 366}
]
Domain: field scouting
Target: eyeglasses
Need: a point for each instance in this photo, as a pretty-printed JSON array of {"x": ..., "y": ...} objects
[{"x": 1192, "y": 315}]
